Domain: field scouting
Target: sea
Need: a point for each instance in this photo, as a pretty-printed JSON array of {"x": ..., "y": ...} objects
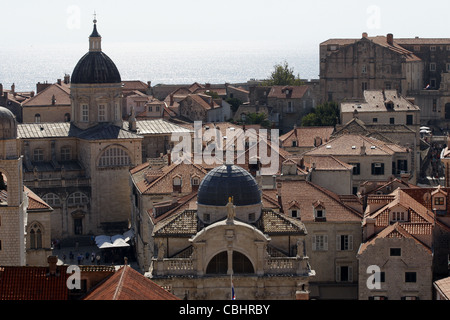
[{"x": 182, "y": 62}]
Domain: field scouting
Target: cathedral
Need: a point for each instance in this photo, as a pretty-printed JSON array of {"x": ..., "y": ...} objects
[{"x": 75, "y": 171}]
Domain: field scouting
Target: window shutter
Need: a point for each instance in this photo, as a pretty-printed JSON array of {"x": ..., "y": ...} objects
[
  {"x": 350, "y": 242},
  {"x": 338, "y": 243},
  {"x": 325, "y": 242},
  {"x": 314, "y": 243},
  {"x": 382, "y": 168},
  {"x": 338, "y": 274}
]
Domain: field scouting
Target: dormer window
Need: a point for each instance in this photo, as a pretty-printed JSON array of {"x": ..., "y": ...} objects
[
  {"x": 397, "y": 216},
  {"x": 319, "y": 211},
  {"x": 295, "y": 213}
]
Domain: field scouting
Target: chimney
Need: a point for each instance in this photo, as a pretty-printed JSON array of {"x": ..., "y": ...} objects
[
  {"x": 52, "y": 261},
  {"x": 369, "y": 228},
  {"x": 53, "y": 100},
  {"x": 149, "y": 84},
  {"x": 171, "y": 99},
  {"x": 13, "y": 88},
  {"x": 66, "y": 79},
  {"x": 363, "y": 149},
  {"x": 390, "y": 39},
  {"x": 1, "y": 89},
  {"x": 58, "y": 81}
]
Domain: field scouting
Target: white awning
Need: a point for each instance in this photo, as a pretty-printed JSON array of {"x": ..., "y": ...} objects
[{"x": 116, "y": 241}]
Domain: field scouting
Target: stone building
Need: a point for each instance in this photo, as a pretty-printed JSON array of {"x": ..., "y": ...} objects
[
  {"x": 372, "y": 159},
  {"x": 52, "y": 104},
  {"x": 334, "y": 235},
  {"x": 223, "y": 231},
  {"x": 348, "y": 67},
  {"x": 25, "y": 228},
  {"x": 398, "y": 241},
  {"x": 75, "y": 166}
]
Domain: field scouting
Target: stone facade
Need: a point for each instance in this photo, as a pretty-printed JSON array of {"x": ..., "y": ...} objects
[{"x": 348, "y": 67}]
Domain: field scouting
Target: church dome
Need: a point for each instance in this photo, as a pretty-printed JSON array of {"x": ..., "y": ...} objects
[
  {"x": 95, "y": 66},
  {"x": 228, "y": 181},
  {"x": 8, "y": 124}
]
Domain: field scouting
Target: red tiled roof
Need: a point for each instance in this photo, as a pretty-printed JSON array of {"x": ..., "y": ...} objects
[
  {"x": 306, "y": 194},
  {"x": 288, "y": 92},
  {"x": 35, "y": 202},
  {"x": 306, "y": 136},
  {"x": 44, "y": 98},
  {"x": 128, "y": 284},
  {"x": 33, "y": 283}
]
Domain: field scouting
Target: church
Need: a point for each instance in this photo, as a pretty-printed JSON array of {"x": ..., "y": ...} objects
[
  {"x": 74, "y": 169},
  {"x": 222, "y": 236}
]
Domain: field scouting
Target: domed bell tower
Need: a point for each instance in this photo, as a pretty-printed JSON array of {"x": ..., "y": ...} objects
[{"x": 96, "y": 88}]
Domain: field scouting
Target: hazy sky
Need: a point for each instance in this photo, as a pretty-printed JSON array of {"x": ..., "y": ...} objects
[{"x": 304, "y": 22}]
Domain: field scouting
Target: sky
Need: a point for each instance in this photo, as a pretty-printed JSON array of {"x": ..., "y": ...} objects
[{"x": 308, "y": 23}]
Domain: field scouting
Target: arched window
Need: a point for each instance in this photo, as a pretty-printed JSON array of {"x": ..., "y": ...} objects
[
  {"x": 77, "y": 198},
  {"x": 35, "y": 237},
  {"x": 114, "y": 157},
  {"x": 219, "y": 264},
  {"x": 52, "y": 199},
  {"x": 176, "y": 182},
  {"x": 37, "y": 118}
]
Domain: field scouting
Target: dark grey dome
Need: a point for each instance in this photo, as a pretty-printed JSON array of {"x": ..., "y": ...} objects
[
  {"x": 8, "y": 124},
  {"x": 95, "y": 67},
  {"x": 228, "y": 181}
]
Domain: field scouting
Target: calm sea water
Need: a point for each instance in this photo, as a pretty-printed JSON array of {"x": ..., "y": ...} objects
[{"x": 165, "y": 62}]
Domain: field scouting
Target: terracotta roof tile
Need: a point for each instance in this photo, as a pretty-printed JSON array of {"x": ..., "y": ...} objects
[
  {"x": 307, "y": 193},
  {"x": 306, "y": 136},
  {"x": 128, "y": 284},
  {"x": 33, "y": 283}
]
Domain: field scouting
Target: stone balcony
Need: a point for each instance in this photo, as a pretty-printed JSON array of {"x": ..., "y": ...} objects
[{"x": 168, "y": 267}]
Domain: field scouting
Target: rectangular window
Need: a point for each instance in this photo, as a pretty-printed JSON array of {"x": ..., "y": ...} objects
[
  {"x": 448, "y": 67},
  {"x": 66, "y": 154},
  {"x": 377, "y": 169},
  {"x": 439, "y": 201},
  {"x": 410, "y": 277},
  {"x": 84, "y": 113},
  {"x": 392, "y": 120},
  {"x": 344, "y": 274},
  {"x": 375, "y": 120},
  {"x": 395, "y": 252},
  {"x": 38, "y": 155},
  {"x": 433, "y": 48},
  {"x": 356, "y": 168},
  {"x": 101, "y": 113},
  {"x": 402, "y": 166},
  {"x": 294, "y": 214},
  {"x": 344, "y": 243},
  {"x": 432, "y": 66},
  {"x": 320, "y": 242},
  {"x": 158, "y": 108},
  {"x": 150, "y": 109},
  {"x": 409, "y": 119},
  {"x": 364, "y": 69},
  {"x": 364, "y": 86}
]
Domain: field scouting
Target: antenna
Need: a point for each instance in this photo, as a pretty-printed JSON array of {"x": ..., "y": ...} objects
[{"x": 95, "y": 17}]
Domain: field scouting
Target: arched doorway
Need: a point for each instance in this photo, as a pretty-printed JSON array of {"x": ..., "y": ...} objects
[{"x": 219, "y": 264}]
